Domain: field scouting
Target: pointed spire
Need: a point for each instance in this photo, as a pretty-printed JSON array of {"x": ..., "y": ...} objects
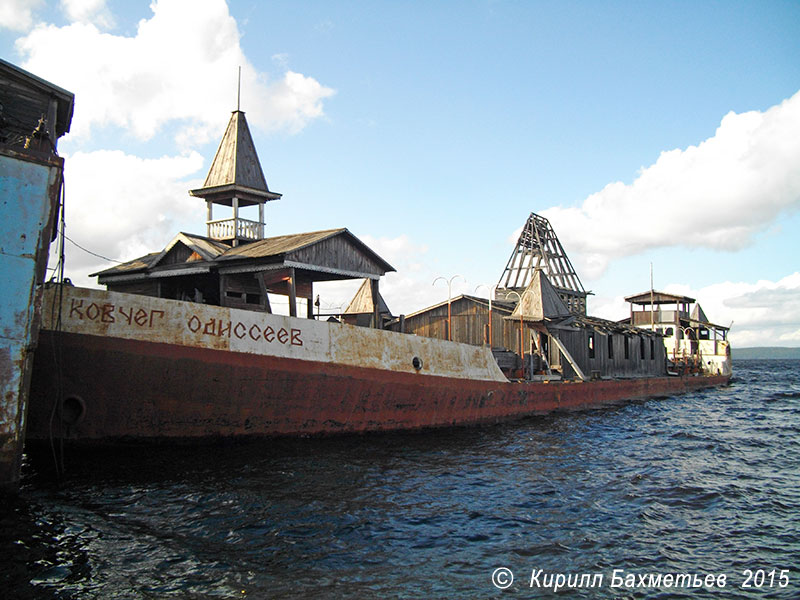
[
  {"x": 236, "y": 170},
  {"x": 364, "y": 302},
  {"x": 540, "y": 301}
]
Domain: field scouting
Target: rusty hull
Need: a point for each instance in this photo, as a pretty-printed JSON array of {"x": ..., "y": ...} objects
[
  {"x": 29, "y": 189},
  {"x": 130, "y": 367}
]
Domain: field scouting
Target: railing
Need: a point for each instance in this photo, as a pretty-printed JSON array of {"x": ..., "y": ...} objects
[
  {"x": 235, "y": 229},
  {"x": 643, "y": 317}
]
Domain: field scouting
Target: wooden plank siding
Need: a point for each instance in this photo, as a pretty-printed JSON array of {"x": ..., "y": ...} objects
[
  {"x": 339, "y": 253},
  {"x": 613, "y": 361},
  {"x": 605, "y": 357},
  {"x": 469, "y": 319}
]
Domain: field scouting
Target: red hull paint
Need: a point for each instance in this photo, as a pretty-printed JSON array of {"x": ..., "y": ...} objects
[{"x": 136, "y": 389}]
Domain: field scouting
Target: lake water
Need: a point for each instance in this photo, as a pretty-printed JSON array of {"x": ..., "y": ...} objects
[{"x": 609, "y": 503}]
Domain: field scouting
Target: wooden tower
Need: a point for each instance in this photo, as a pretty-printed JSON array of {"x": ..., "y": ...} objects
[
  {"x": 235, "y": 179},
  {"x": 538, "y": 249}
]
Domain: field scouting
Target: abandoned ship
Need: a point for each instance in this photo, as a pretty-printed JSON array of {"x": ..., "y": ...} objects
[
  {"x": 33, "y": 115},
  {"x": 184, "y": 343}
]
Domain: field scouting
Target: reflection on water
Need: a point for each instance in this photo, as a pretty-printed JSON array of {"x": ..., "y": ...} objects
[{"x": 703, "y": 483}]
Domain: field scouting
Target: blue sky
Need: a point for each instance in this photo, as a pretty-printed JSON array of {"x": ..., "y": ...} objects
[{"x": 647, "y": 132}]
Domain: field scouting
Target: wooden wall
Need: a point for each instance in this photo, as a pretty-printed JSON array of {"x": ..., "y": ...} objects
[
  {"x": 609, "y": 357},
  {"x": 469, "y": 320}
]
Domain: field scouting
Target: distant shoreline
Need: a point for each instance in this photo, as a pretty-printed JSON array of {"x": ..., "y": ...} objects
[{"x": 767, "y": 352}]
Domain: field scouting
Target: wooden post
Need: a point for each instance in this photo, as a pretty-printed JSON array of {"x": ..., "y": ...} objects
[
  {"x": 292, "y": 294},
  {"x": 261, "y": 220},
  {"x": 375, "y": 304},
  {"x": 235, "y": 202},
  {"x": 264, "y": 292}
]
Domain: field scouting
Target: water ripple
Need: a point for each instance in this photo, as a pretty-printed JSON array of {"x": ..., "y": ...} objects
[{"x": 707, "y": 482}]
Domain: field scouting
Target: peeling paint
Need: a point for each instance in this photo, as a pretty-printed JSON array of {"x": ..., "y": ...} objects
[
  {"x": 29, "y": 188},
  {"x": 141, "y": 367}
]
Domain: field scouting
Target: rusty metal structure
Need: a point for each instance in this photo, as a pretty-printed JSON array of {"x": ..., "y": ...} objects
[
  {"x": 33, "y": 115},
  {"x": 538, "y": 249},
  {"x": 140, "y": 368},
  {"x": 184, "y": 345}
]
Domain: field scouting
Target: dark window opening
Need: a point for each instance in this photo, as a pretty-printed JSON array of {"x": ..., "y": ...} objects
[
  {"x": 610, "y": 346},
  {"x": 591, "y": 345}
]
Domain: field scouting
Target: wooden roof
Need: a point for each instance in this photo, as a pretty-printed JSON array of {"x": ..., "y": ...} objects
[
  {"x": 498, "y": 305},
  {"x": 336, "y": 253},
  {"x": 25, "y": 98},
  {"x": 236, "y": 170},
  {"x": 363, "y": 302},
  {"x": 540, "y": 301},
  {"x": 658, "y": 298}
]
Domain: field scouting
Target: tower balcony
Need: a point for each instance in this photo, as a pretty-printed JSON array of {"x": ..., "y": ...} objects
[{"x": 235, "y": 230}]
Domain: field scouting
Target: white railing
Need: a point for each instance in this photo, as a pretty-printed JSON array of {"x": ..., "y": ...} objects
[{"x": 239, "y": 229}]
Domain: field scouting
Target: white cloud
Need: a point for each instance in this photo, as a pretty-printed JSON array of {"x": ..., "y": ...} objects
[
  {"x": 17, "y": 15},
  {"x": 718, "y": 194},
  {"x": 180, "y": 67},
  {"x": 88, "y": 11},
  {"x": 765, "y": 313},
  {"x": 121, "y": 206}
]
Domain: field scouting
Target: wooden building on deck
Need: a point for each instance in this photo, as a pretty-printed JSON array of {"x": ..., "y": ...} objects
[
  {"x": 234, "y": 264},
  {"x": 469, "y": 321}
]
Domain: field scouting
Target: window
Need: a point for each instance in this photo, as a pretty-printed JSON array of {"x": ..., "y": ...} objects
[
  {"x": 610, "y": 339},
  {"x": 641, "y": 347},
  {"x": 652, "y": 349},
  {"x": 669, "y": 332},
  {"x": 627, "y": 344},
  {"x": 591, "y": 345}
]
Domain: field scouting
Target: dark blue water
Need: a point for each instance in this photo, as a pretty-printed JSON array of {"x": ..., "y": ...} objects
[{"x": 705, "y": 484}]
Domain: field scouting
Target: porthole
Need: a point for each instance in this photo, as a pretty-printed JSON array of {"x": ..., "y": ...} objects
[{"x": 73, "y": 409}]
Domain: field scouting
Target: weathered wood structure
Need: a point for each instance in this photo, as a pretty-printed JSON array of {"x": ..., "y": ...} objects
[
  {"x": 235, "y": 265},
  {"x": 541, "y": 330},
  {"x": 28, "y": 104},
  {"x": 538, "y": 249},
  {"x": 364, "y": 310},
  {"x": 33, "y": 115},
  {"x": 469, "y": 320}
]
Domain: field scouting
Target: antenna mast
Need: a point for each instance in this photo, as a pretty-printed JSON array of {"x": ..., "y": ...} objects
[{"x": 239, "y": 90}]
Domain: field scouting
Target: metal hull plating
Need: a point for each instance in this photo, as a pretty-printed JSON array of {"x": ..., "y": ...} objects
[
  {"x": 91, "y": 384},
  {"x": 29, "y": 187}
]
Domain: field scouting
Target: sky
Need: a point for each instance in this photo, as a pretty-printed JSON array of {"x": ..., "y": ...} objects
[{"x": 657, "y": 137}]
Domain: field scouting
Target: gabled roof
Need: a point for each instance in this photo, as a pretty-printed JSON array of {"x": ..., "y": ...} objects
[
  {"x": 280, "y": 244},
  {"x": 363, "y": 302},
  {"x": 499, "y": 305},
  {"x": 540, "y": 301},
  {"x": 658, "y": 298},
  {"x": 206, "y": 248},
  {"x": 236, "y": 170},
  {"x": 698, "y": 314},
  {"x": 313, "y": 251},
  {"x": 285, "y": 244},
  {"x": 137, "y": 264}
]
